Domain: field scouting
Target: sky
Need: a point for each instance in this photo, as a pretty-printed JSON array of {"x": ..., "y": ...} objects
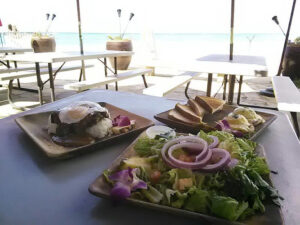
[{"x": 159, "y": 16}]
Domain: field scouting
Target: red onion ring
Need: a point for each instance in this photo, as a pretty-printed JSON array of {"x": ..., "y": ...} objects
[
  {"x": 215, "y": 141},
  {"x": 189, "y": 165},
  {"x": 225, "y": 159},
  {"x": 183, "y": 139},
  {"x": 233, "y": 162}
]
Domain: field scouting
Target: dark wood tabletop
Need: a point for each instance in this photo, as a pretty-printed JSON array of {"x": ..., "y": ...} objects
[{"x": 37, "y": 190}]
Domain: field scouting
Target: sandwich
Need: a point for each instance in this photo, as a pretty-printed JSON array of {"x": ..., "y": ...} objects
[
  {"x": 175, "y": 115},
  {"x": 188, "y": 112},
  {"x": 198, "y": 109},
  {"x": 210, "y": 104}
]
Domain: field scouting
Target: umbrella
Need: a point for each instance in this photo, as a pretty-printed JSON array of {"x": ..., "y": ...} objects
[
  {"x": 231, "y": 30},
  {"x": 80, "y": 40}
]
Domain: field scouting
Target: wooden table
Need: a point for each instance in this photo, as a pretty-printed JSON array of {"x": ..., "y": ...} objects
[
  {"x": 13, "y": 50},
  {"x": 55, "y": 57},
  {"x": 241, "y": 65},
  {"x": 37, "y": 190}
]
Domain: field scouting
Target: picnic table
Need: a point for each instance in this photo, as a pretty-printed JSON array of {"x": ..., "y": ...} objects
[
  {"x": 241, "y": 65},
  {"x": 55, "y": 57},
  {"x": 37, "y": 190}
]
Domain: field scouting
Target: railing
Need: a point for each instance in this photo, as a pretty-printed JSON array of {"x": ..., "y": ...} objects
[{"x": 16, "y": 39}]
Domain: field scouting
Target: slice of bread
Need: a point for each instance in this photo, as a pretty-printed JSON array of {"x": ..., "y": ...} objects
[
  {"x": 210, "y": 104},
  {"x": 188, "y": 112},
  {"x": 198, "y": 109},
  {"x": 175, "y": 115}
]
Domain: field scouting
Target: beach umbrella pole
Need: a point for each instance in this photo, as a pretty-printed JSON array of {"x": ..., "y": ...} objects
[
  {"x": 80, "y": 41},
  {"x": 286, "y": 37}
]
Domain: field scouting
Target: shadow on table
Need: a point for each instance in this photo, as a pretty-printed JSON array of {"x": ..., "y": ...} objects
[{"x": 61, "y": 170}]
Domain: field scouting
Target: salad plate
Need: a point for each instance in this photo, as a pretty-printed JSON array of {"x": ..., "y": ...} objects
[
  {"x": 36, "y": 127},
  {"x": 102, "y": 188},
  {"x": 211, "y": 120}
]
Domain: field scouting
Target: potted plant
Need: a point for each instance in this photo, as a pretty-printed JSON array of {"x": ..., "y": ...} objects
[
  {"x": 119, "y": 43},
  {"x": 44, "y": 42}
]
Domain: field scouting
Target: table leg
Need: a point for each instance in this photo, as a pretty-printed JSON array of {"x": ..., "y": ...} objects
[
  {"x": 105, "y": 71},
  {"x": 51, "y": 81},
  {"x": 295, "y": 121},
  {"x": 209, "y": 83},
  {"x": 240, "y": 89},
  {"x": 7, "y": 62},
  {"x": 231, "y": 88},
  {"x": 116, "y": 71},
  {"x": 145, "y": 82},
  {"x": 225, "y": 80},
  {"x": 39, "y": 82}
]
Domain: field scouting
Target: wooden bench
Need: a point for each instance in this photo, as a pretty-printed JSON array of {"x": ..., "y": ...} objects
[
  {"x": 287, "y": 97},
  {"x": 31, "y": 73},
  {"x": 7, "y": 79},
  {"x": 85, "y": 85},
  {"x": 168, "y": 86}
]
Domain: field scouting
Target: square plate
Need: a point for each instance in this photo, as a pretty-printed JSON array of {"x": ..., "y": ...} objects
[
  {"x": 102, "y": 189},
  {"x": 36, "y": 127},
  {"x": 210, "y": 119}
]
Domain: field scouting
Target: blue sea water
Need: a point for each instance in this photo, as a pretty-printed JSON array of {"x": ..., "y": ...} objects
[{"x": 179, "y": 45}]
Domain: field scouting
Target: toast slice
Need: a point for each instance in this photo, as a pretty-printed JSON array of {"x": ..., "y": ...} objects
[
  {"x": 210, "y": 104},
  {"x": 175, "y": 115},
  {"x": 198, "y": 109},
  {"x": 188, "y": 112}
]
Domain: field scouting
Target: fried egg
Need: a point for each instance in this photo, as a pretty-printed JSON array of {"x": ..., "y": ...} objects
[{"x": 78, "y": 111}]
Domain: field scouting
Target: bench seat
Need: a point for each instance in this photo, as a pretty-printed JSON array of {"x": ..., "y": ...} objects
[
  {"x": 287, "y": 97},
  {"x": 44, "y": 71},
  {"x": 85, "y": 85},
  {"x": 168, "y": 86},
  {"x": 286, "y": 93}
]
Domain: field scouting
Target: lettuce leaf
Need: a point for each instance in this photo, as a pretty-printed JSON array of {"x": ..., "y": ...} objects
[
  {"x": 227, "y": 207},
  {"x": 175, "y": 198},
  {"x": 145, "y": 146},
  {"x": 152, "y": 194},
  {"x": 198, "y": 200},
  {"x": 221, "y": 135},
  {"x": 259, "y": 165},
  {"x": 205, "y": 137}
]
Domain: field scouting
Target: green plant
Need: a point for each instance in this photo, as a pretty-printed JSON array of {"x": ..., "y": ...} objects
[{"x": 121, "y": 36}]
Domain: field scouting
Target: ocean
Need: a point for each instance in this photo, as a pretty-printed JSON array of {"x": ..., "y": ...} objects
[{"x": 175, "y": 46}]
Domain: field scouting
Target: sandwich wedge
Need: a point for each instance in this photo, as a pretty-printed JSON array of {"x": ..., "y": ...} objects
[
  {"x": 188, "y": 112},
  {"x": 175, "y": 115},
  {"x": 197, "y": 108},
  {"x": 210, "y": 104}
]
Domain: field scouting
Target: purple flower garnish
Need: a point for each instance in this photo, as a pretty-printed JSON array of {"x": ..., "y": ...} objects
[
  {"x": 121, "y": 121},
  {"x": 126, "y": 181},
  {"x": 223, "y": 125}
]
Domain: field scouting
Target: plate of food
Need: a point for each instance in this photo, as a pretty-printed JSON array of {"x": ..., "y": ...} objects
[
  {"x": 80, "y": 127},
  {"x": 208, "y": 114},
  {"x": 212, "y": 176}
]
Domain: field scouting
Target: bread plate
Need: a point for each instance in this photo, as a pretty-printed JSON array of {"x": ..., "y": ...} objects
[{"x": 211, "y": 120}]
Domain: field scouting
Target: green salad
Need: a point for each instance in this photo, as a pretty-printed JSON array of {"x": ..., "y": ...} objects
[{"x": 211, "y": 173}]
